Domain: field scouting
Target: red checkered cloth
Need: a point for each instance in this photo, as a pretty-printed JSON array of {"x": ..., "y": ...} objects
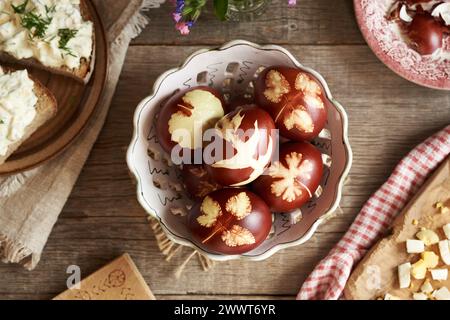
[{"x": 328, "y": 279}]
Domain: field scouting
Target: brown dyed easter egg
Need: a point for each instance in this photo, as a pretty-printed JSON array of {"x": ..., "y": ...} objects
[
  {"x": 185, "y": 117},
  {"x": 197, "y": 181},
  {"x": 230, "y": 221},
  {"x": 295, "y": 100},
  {"x": 426, "y": 33},
  {"x": 291, "y": 180},
  {"x": 243, "y": 144}
]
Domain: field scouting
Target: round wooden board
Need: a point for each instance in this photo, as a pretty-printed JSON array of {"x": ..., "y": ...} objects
[{"x": 76, "y": 104}]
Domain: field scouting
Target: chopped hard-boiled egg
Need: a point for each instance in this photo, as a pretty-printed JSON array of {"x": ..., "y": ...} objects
[
  {"x": 446, "y": 229},
  {"x": 429, "y": 237},
  {"x": 420, "y": 296},
  {"x": 415, "y": 246},
  {"x": 441, "y": 294},
  {"x": 444, "y": 250},
  {"x": 404, "y": 15},
  {"x": 389, "y": 296},
  {"x": 419, "y": 269},
  {"x": 431, "y": 259},
  {"x": 428, "y": 261},
  {"x": 427, "y": 287},
  {"x": 441, "y": 207},
  {"x": 439, "y": 274},
  {"x": 404, "y": 275}
]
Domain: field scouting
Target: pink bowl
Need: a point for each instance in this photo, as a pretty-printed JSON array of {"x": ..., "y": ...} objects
[{"x": 442, "y": 83}]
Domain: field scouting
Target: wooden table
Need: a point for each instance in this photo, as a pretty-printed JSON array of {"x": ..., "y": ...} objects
[{"x": 102, "y": 219}]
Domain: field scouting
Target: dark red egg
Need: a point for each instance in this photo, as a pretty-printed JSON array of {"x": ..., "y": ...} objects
[
  {"x": 294, "y": 99},
  {"x": 197, "y": 181},
  {"x": 292, "y": 180},
  {"x": 230, "y": 221},
  {"x": 425, "y": 33},
  {"x": 242, "y": 146},
  {"x": 184, "y": 118}
]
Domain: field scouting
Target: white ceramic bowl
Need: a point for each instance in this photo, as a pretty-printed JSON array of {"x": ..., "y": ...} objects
[{"x": 239, "y": 61}]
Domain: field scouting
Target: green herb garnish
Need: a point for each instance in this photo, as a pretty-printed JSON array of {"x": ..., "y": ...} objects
[
  {"x": 20, "y": 9},
  {"x": 65, "y": 35},
  {"x": 36, "y": 24},
  {"x": 2, "y": 121},
  {"x": 51, "y": 9}
]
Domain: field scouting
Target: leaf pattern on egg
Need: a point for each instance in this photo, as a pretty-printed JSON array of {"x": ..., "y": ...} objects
[
  {"x": 287, "y": 184},
  {"x": 238, "y": 236},
  {"x": 314, "y": 101},
  {"x": 239, "y": 205},
  {"x": 199, "y": 111},
  {"x": 211, "y": 211},
  {"x": 308, "y": 86},
  {"x": 299, "y": 118},
  {"x": 244, "y": 150},
  {"x": 206, "y": 187},
  {"x": 310, "y": 89},
  {"x": 276, "y": 86}
]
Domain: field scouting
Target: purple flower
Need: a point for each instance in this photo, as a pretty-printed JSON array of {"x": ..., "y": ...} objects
[
  {"x": 184, "y": 14},
  {"x": 179, "y": 6},
  {"x": 292, "y": 3},
  {"x": 176, "y": 17}
]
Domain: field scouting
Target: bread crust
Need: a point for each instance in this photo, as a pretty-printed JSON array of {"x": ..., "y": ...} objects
[
  {"x": 82, "y": 74},
  {"x": 46, "y": 108}
]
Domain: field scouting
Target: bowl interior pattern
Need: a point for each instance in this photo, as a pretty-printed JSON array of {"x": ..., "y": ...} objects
[{"x": 231, "y": 69}]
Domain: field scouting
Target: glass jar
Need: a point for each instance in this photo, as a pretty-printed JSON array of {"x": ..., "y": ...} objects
[{"x": 246, "y": 10}]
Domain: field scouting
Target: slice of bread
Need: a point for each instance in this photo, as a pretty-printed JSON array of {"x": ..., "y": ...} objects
[
  {"x": 46, "y": 108},
  {"x": 82, "y": 74},
  {"x": 377, "y": 274}
]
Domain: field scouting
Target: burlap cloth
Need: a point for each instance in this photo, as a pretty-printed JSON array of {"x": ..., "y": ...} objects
[{"x": 31, "y": 202}]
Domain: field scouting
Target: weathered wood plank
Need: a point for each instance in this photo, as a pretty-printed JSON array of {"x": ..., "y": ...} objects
[
  {"x": 45, "y": 296},
  {"x": 118, "y": 228},
  {"x": 280, "y": 275},
  {"x": 102, "y": 219},
  {"x": 223, "y": 297},
  {"x": 310, "y": 22}
]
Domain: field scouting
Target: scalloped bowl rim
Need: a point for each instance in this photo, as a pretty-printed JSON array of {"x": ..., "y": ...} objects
[{"x": 278, "y": 247}]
